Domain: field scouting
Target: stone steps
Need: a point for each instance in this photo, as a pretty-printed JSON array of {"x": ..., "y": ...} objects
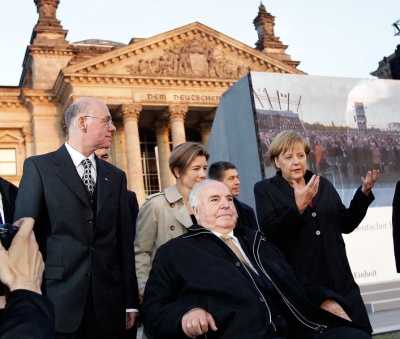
[{"x": 381, "y": 297}]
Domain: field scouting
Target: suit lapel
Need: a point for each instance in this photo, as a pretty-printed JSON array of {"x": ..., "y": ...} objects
[
  {"x": 103, "y": 183},
  {"x": 66, "y": 171}
]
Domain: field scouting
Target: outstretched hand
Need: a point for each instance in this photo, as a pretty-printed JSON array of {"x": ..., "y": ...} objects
[
  {"x": 22, "y": 266},
  {"x": 304, "y": 195},
  {"x": 196, "y": 322},
  {"x": 369, "y": 181}
]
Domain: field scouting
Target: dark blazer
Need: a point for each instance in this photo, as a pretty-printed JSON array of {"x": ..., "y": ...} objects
[
  {"x": 312, "y": 242},
  {"x": 9, "y": 194},
  {"x": 133, "y": 209},
  {"x": 396, "y": 225},
  {"x": 198, "y": 269},
  {"x": 80, "y": 247},
  {"x": 28, "y": 315},
  {"x": 246, "y": 215}
]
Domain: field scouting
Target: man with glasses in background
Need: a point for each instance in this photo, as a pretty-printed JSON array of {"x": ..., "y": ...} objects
[{"x": 83, "y": 228}]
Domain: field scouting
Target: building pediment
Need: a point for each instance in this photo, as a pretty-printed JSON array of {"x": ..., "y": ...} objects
[
  {"x": 8, "y": 137},
  {"x": 194, "y": 51}
]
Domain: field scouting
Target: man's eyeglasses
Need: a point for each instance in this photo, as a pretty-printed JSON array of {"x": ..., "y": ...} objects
[{"x": 108, "y": 121}]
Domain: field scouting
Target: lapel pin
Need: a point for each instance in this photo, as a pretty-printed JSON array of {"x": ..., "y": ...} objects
[{"x": 106, "y": 179}]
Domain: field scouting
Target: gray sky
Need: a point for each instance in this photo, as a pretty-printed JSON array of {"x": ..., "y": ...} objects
[{"x": 331, "y": 38}]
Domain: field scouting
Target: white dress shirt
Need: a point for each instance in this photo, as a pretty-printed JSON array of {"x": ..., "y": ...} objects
[
  {"x": 77, "y": 160},
  {"x": 237, "y": 243}
]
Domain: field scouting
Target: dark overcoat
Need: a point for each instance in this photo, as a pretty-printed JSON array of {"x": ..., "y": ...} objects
[
  {"x": 198, "y": 270},
  {"x": 28, "y": 315},
  {"x": 81, "y": 246},
  {"x": 312, "y": 242},
  {"x": 246, "y": 215}
]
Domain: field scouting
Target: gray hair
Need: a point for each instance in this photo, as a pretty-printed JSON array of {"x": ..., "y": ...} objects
[
  {"x": 194, "y": 193},
  {"x": 79, "y": 107}
]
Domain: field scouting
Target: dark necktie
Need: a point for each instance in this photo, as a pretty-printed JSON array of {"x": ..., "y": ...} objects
[
  {"x": 234, "y": 248},
  {"x": 87, "y": 175}
]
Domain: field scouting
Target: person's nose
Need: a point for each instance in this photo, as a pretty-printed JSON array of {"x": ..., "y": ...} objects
[
  {"x": 224, "y": 203},
  {"x": 237, "y": 181},
  {"x": 295, "y": 160},
  {"x": 203, "y": 173},
  {"x": 112, "y": 128}
]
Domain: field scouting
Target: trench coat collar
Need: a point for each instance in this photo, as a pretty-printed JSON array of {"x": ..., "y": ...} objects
[
  {"x": 173, "y": 197},
  {"x": 172, "y": 194}
]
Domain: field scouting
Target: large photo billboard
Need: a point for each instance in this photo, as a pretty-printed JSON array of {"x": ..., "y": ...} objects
[{"x": 353, "y": 126}]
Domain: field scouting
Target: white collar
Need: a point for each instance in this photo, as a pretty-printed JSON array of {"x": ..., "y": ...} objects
[{"x": 77, "y": 157}]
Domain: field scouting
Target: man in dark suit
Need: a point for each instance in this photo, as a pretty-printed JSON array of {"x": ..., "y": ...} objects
[
  {"x": 104, "y": 154},
  {"x": 83, "y": 228},
  {"x": 227, "y": 281},
  {"x": 28, "y": 314},
  {"x": 225, "y": 172}
]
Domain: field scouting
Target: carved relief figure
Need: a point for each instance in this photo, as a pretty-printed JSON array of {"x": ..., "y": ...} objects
[
  {"x": 212, "y": 63},
  {"x": 190, "y": 58},
  {"x": 184, "y": 61},
  {"x": 173, "y": 53},
  {"x": 142, "y": 67},
  {"x": 228, "y": 68},
  {"x": 164, "y": 66}
]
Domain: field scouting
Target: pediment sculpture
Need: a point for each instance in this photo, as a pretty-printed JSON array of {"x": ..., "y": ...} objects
[{"x": 190, "y": 58}]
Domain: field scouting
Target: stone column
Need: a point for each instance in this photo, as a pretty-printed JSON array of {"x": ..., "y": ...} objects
[
  {"x": 29, "y": 141},
  {"x": 162, "y": 135},
  {"x": 205, "y": 131},
  {"x": 130, "y": 115},
  {"x": 177, "y": 114}
]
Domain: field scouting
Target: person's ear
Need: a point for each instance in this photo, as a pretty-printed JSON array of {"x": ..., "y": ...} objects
[
  {"x": 176, "y": 172},
  {"x": 277, "y": 165},
  {"x": 82, "y": 124},
  {"x": 196, "y": 212}
]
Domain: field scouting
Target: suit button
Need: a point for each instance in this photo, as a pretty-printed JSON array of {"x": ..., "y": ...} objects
[
  {"x": 172, "y": 205},
  {"x": 172, "y": 228},
  {"x": 92, "y": 248},
  {"x": 91, "y": 201},
  {"x": 237, "y": 264},
  {"x": 313, "y": 214},
  {"x": 318, "y": 232},
  {"x": 89, "y": 221},
  {"x": 261, "y": 299},
  {"x": 87, "y": 274}
]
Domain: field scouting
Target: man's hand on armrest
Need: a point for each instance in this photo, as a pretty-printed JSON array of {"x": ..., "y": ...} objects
[
  {"x": 333, "y": 307},
  {"x": 196, "y": 322}
]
